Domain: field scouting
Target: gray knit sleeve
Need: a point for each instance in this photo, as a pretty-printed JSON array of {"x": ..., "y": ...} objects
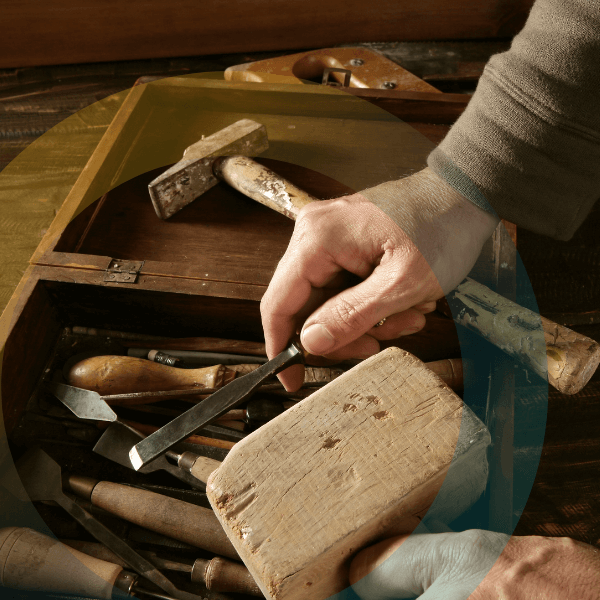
[{"x": 528, "y": 144}]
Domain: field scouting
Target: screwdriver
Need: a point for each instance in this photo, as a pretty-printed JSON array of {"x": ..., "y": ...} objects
[{"x": 32, "y": 561}]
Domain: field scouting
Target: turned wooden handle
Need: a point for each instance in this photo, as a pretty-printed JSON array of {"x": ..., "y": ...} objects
[
  {"x": 261, "y": 184},
  {"x": 450, "y": 370},
  {"x": 174, "y": 518},
  {"x": 568, "y": 358},
  {"x": 222, "y": 575},
  {"x": 109, "y": 375},
  {"x": 30, "y": 560}
]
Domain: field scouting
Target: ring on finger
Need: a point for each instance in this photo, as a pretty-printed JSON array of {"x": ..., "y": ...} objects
[{"x": 380, "y": 322}]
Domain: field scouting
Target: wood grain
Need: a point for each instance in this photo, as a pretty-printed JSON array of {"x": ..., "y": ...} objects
[
  {"x": 93, "y": 31},
  {"x": 359, "y": 460}
]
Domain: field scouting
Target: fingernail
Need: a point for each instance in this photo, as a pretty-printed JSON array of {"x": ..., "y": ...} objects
[
  {"x": 317, "y": 340},
  {"x": 409, "y": 331}
]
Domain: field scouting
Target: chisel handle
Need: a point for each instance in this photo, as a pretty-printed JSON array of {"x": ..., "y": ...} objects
[
  {"x": 261, "y": 184},
  {"x": 32, "y": 561},
  {"x": 222, "y": 575},
  {"x": 110, "y": 375},
  {"x": 174, "y": 518},
  {"x": 569, "y": 359}
]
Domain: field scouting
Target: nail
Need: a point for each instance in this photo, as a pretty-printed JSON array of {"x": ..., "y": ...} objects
[
  {"x": 317, "y": 340},
  {"x": 409, "y": 331}
]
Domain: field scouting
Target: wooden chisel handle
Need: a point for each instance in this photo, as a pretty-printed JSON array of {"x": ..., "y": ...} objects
[
  {"x": 111, "y": 375},
  {"x": 570, "y": 359},
  {"x": 174, "y": 518},
  {"x": 30, "y": 560},
  {"x": 261, "y": 184},
  {"x": 222, "y": 575}
]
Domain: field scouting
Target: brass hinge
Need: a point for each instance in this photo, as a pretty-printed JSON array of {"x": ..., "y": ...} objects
[{"x": 123, "y": 271}]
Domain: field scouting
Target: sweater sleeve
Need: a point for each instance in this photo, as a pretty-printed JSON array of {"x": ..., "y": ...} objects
[{"x": 528, "y": 144}]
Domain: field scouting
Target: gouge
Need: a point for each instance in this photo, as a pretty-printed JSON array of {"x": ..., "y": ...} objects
[
  {"x": 218, "y": 404},
  {"x": 32, "y": 561},
  {"x": 42, "y": 479}
]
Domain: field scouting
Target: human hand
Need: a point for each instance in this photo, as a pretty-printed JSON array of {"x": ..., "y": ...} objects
[
  {"x": 404, "y": 270},
  {"x": 478, "y": 565}
]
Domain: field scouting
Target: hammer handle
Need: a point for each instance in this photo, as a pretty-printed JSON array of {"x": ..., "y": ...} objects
[
  {"x": 569, "y": 359},
  {"x": 261, "y": 184}
]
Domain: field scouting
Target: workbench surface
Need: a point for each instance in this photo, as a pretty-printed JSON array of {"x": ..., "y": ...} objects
[{"x": 565, "y": 275}]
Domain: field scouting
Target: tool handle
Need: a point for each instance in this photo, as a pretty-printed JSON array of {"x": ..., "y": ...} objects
[
  {"x": 32, "y": 561},
  {"x": 261, "y": 184},
  {"x": 222, "y": 575},
  {"x": 568, "y": 358},
  {"x": 174, "y": 518},
  {"x": 198, "y": 466},
  {"x": 110, "y": 375},
  {"x": 450, "y": 370}
]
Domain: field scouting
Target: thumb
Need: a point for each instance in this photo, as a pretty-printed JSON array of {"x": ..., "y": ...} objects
[{"x": 354, "y": 311}]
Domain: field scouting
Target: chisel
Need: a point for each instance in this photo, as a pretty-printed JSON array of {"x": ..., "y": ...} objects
[{"x": 219, "y": 403}]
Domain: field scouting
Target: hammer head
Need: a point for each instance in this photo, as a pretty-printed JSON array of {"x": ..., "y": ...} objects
[{"x": 192, "y": 176}]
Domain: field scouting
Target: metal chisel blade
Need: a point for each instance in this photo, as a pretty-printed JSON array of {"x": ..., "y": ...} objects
[
  {"x": 84, "y": 404},
  {"x": 203, "y": 413}
]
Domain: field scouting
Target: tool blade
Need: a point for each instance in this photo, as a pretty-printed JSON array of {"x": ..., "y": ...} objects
[
  {"x": 84, "y": 404},
  {"x": 203, "y": 413}
]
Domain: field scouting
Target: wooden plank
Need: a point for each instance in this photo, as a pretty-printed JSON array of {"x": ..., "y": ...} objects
[
  {"x": 92, "y": 31},
  {"x": 360, "y": 460}
]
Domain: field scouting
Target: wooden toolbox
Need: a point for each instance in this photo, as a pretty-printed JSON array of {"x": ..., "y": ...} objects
[{"x": 108, "y": 262}]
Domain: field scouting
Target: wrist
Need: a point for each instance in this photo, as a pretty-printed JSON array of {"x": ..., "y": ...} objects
[{"x": 446, "y": 227}]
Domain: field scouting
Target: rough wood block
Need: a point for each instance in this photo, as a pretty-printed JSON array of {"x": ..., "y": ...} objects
[{"x": 360, "y": 460}]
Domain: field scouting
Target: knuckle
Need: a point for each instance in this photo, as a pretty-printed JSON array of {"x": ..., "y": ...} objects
[{"x": 350, "y": 315}]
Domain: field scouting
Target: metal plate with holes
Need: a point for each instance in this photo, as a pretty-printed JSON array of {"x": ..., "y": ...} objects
[{"x": 123, "y": 271}]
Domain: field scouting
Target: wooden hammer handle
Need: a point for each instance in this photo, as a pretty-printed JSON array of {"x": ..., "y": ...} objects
[{"x": 261, "y": 184}]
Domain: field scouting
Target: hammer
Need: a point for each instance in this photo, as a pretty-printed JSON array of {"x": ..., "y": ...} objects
[{"x": 206, "y": 162}]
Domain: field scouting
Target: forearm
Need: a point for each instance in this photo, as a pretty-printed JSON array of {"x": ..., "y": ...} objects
[{"x": 529, "y": 140}]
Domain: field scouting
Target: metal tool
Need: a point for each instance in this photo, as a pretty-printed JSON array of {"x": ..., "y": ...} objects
[
  {"x": 219, "y": 403},
  {"x": 42, "y": 479},
  {"x": 116, "y": 442},
  {"x": 193, "y": 175}
]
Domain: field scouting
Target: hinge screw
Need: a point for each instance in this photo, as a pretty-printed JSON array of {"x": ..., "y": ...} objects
[
  {"x": 389, "y": 85},
  {"x": 357, "y": 62}
]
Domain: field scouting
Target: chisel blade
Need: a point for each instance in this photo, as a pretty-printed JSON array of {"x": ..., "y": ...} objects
[
  {"x": 217, "y": 404},
  {"x": 84, "y": 404}
]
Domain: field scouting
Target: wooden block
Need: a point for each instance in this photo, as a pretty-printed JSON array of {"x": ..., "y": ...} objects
[{"x": 360, "y": 460}]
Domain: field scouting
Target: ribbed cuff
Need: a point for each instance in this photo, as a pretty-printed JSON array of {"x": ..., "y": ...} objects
[{"x": 443, "y": 167}]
